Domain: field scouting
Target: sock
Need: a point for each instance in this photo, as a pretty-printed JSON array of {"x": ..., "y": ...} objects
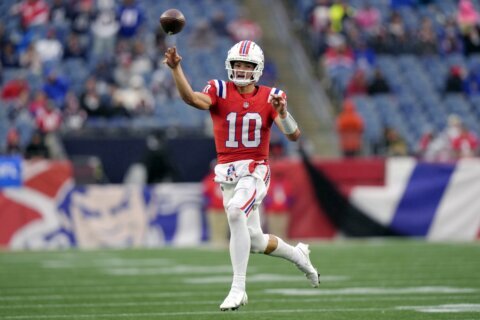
[
  {"x": 286, "y": 251},
  {"x": 238, "y": 283}
]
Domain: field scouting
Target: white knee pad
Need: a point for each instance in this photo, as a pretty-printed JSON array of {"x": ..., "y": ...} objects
[{"x": 234, "y": 214}]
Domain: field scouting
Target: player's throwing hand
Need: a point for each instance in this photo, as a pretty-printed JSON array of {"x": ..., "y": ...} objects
[{"x": 172, "y": 58}]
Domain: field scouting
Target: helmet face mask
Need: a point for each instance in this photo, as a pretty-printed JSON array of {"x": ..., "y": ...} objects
[{"x": 246, "y": 51}]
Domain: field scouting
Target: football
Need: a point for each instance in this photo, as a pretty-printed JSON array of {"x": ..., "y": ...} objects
[{"x": 172, "y": 21}]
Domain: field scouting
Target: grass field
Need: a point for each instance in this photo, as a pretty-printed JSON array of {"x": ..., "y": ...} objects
[{"x": 360, "y": 280}]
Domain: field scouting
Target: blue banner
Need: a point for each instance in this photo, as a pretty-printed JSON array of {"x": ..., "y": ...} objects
[{"x": 10, "y": 172}]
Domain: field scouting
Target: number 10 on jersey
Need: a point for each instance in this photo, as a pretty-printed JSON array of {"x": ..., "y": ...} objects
[{"x": 251, "y": 125}]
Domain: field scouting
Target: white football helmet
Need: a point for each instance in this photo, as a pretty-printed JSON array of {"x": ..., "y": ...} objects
[{"x": 247, "y": 51}]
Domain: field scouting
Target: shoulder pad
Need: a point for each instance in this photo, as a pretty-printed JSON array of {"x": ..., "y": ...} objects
[{"x": 221, "y": 88}]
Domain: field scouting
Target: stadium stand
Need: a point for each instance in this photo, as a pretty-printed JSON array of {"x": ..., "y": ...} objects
[
  {"x": 98, "y": 63},
  {"x": 415, "y": 44}
]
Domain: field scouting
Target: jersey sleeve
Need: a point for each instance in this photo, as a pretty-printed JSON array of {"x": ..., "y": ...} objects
[{"x": 216, "y": 89}]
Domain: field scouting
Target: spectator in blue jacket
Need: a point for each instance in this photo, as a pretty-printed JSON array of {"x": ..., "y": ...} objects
[
  {"x": 130, "y": 17},
  {"x": 56, "y": 88}
]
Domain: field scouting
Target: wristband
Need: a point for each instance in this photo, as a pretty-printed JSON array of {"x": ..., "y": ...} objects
[{"x": 289, "y": 124}]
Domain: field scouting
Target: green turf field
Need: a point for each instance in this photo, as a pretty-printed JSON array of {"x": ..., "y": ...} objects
[{"x": 360, "y": 280}]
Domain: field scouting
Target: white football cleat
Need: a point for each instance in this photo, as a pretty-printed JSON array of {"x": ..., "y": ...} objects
[
  {"x": 306, "y": 266},
  {"x": 234, "y": 300}
]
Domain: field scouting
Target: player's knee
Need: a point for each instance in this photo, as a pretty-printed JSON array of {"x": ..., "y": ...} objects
[
  {"x": 258, "y": 242},
  {"x": 234, "y": 213}
]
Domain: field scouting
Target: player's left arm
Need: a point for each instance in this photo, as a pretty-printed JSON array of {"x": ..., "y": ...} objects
[{"x": 284, "y": 119}]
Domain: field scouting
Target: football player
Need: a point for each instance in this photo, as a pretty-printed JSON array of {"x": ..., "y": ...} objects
[{"x": 243, "y": 113}]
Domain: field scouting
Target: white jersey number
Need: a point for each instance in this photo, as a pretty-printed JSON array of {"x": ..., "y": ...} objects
[{"x": 247, "y": 127}]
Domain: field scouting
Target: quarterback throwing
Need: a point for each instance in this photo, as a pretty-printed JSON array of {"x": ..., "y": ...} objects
[{"x": 243, "y": 113}]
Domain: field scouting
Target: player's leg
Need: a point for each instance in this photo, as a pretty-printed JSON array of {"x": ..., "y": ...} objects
[
  {"x": 239, "y": 201},
  {"x": 275, "y": 246}
]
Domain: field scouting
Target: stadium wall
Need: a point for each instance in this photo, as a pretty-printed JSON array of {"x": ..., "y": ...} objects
[{"x": 409, "y": 198}]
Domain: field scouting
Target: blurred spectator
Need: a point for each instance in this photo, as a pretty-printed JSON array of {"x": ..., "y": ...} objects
[
  {"x": 427, "y": 38},
  {"x": 130, "y": 17},
  {"x": 31, "y": 60},
  {"x": 104, "y": 29},
  {"x": 380, "y": 42},
  {"x": 123, "y": 71},
  {"x": 368, "y": 19},
  {"x": 13, "y": 142},
  {"x": 216, "y": 216},
  {"x": 392, "y": 143},
  {"x": 38, "y": 102},
  {"x": 37, "y": 148},
  {"x": 49, "y": 48},
  {"x": 162, "y": 84},
  {"x": 455, "y": 82},
  {"x": 339, "y": 12},
  {"x": 277, "y": 204},
  {"x": 338, "y": 54},
  {"x": 56, "y": 87},
  {"x": 82, "y": 18},
  {"x": 74, "y": 48},
  {"x": 8, "y": 56},
  {"x": 441, "y": 148},
  {"x": 18, "y": 106},
  {"x": 59, "y": 13},
  {"x": 48, "y": 122},
  {"x": 32, "y": 12},
  {"x": 399, "y": 40},
  {"x": 73, "y": 116},
  {"x": 103, "y": 72},
  {"x": 471, "y": 41},
  {"x": 319, "y": 17},
  {"x": 350, "y": 128},
  {"x": 357, "y": 84},
  {"x": 141, "y": 61},
  {"x": 454, "y": 126},
  {"x": 136, "y": 98},
  {"x": 450, "y": 41},
  {"x": 364, "y": 56},
  {"x": 378, "y": 83},
  {"x": 465, "y": 145},
  {"x": 244, "y": 28},
  {"x": 467, "y": 16},
  {"x": 48, "y": 119},
  {"x": 12, "y": 89},
  {"x": 424, "y": 149},
  {"x": 4, "y": 38},
  {"x": 91, "y": 102},
  {"x": 472, "y": 81}
]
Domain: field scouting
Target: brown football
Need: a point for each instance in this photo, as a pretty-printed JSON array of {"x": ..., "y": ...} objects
[{"x": 172, "y": 21}]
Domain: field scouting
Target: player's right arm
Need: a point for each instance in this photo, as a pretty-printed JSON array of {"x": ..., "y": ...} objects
[{"x": 195, "y": 99}]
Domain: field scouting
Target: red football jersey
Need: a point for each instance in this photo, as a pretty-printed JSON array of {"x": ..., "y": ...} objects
[{"x": 241, "y": 125}]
